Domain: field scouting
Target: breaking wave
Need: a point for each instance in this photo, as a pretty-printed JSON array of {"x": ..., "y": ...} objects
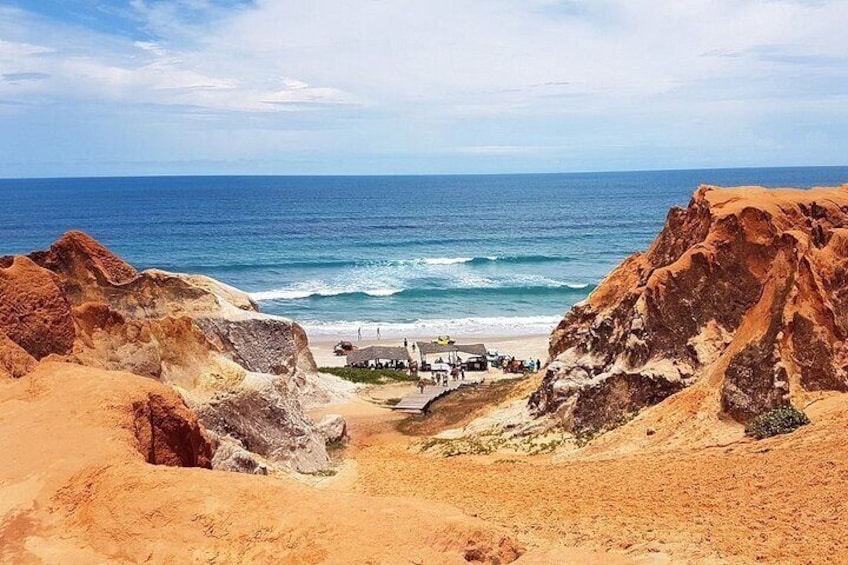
[
  {"x": 298, "y": 294},
  {"x": 554, "y": 287},
  {"x": 342, "y": 263}
]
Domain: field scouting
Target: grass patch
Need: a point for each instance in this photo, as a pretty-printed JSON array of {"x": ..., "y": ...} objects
[
  {"x": 462, "y": 446},
  {"x": 782, "y": 420},
  {"x": 367, "y": 376},
  {"x": 488, "y": 444},
  {"x": 323, "y": 473}
]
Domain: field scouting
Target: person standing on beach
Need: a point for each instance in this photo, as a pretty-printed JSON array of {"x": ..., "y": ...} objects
[
  {"x": 405, "y": 343},
  {"x": 378, "y": 333},
  {"x": 359, "y": 334}
]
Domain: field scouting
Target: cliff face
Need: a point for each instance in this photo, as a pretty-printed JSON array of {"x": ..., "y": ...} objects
[
  {"x": 746, "y": 288},
  {"x": 79, "y": 302}
]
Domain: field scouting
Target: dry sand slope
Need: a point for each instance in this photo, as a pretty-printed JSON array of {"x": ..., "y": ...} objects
[
  {"x": 781, "y": 500},
  {"x": 75, "y": 488}
]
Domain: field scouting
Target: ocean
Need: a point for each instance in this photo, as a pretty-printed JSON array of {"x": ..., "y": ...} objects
[{"x": 415, "y": 256}]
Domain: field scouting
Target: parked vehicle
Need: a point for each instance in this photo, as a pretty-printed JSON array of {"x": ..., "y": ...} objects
[
  {"x": 344, "y": 347},
  {"x": 475, "y": 364},
  {"x": 493, "y": 356}
]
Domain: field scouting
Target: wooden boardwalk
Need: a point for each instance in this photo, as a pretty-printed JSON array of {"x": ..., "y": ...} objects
[{"x": 417, "y": 402}]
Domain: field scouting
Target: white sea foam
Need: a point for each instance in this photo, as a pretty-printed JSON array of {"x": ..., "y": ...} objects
[
  {"x": 382, "y": 291},
  {"x": 300, "y": 293},
  {"x": 441, "y": 261},
  {"x": 491, "y": 326}
]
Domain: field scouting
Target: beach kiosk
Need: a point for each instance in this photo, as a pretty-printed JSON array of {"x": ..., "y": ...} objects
[
  {"x": 379, "y": 357},
  {"x": 472, "y": 355}
]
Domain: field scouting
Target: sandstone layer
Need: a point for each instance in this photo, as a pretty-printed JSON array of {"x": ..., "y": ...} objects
[
  {"x": 744, "y": 292},
  {"x": 243, "y": 372}
]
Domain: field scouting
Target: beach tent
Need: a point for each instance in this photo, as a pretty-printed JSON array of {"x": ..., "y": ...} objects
[
  {"x": 448, "y": 353},
  {"x": 379, "y": 356}
]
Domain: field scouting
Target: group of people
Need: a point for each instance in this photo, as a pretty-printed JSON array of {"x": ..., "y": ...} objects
[
  {"x": 442, "y": 378},
  {"x": 513, "y": 365}
]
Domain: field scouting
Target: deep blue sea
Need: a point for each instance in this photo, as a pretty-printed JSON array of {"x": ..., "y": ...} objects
[{"x": 412, "y": 255}]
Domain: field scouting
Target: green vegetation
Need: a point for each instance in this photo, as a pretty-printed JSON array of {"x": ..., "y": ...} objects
[
  {"x": 462, "y": 446},
  {"x": 367, "y": 376},
  {"x": 487, "y": 444},
  {"x": 781, "y": 420}
]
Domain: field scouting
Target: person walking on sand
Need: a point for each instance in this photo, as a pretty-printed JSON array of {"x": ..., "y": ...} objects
[
  {"x": 378, "y": 333},
  {"x": 359, "y": 334},
  {"x": 405, "y": 343}
]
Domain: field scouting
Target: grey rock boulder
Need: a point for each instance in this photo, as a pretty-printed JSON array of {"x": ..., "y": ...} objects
[
  {"x": 261, "y": 343},
  {"x": 333, "y": 428},
  {"x": 232, "y": 457},
  {"x": 265, "y": 416}
]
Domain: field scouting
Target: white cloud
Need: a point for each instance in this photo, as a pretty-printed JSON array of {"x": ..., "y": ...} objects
[{"x": 491, "y": 76}]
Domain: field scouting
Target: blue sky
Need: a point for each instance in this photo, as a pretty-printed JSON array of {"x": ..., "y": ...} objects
[{"x": 90, "y": 87}]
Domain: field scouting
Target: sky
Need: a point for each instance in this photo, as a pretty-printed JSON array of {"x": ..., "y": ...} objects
[{"x": 136, "y": 87}]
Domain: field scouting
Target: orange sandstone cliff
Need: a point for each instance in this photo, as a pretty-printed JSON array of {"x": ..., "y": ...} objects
[
  {"x": 744, "y": 291},
  {"x": 244, "y": 373}
]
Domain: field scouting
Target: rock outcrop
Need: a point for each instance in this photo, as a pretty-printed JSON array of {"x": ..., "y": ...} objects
[
  {"x": 333, "y": 427},
  {"x": 263, "y": 414},
  {"x": 747, "y": 287},
  {"x": 168, "y": 432},
  {"x": 34, "y": 311},
  {"x": 242, "y": 371}
]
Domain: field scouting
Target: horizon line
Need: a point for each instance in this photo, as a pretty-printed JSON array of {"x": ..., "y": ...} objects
[{"x": 389, "y": 175}]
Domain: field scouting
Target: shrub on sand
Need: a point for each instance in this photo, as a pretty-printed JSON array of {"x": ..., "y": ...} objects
[
  {"x": 366, "y": 376},
  {"x": 781, "y": 420}
]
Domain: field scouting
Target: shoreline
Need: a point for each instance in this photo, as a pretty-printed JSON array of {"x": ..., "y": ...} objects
[{"x": 472, "y": 327}]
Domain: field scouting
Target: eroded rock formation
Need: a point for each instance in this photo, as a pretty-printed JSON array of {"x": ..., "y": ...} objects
[
  {"x": 746, "y": 287},
  {"x": 242, "y": 371}
]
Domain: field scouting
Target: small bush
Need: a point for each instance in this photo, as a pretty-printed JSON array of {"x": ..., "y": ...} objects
[
  {"x": 782, "y": 420},
  {"x": 366, "y": 376}
]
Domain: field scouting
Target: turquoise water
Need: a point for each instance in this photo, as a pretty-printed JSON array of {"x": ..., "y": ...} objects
[{"x": 413, "y": 255}]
